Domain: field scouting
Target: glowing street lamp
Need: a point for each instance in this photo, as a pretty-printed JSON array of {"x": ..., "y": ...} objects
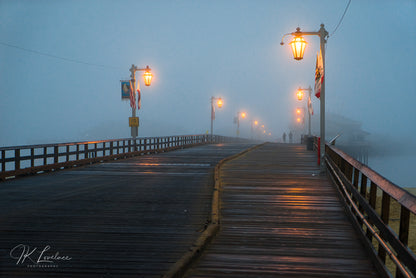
[
  {"x": 299, "y": 94},
  {"x": 134, "y": 123},
  {"x": 254, "y": 124},
  {"x": 237, "y": 121},
  {"x": 300, "y": 90},
  {"x": 219, "y": 104},
  {"x": 298, "y": 45},
  {"x": 147, "y": 76}
]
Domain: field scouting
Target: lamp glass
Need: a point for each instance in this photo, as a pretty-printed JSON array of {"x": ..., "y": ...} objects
[
  {"x": 220, "y": 103},
  {"x": 300, "y": 94},
  {"x": 147, "y": 78},
  {"x": 298, "y": 45}
]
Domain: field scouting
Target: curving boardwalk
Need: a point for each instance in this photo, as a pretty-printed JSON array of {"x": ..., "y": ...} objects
[
  {"x": 126, "y": 218},
  {"x": 280, "y": 219}
]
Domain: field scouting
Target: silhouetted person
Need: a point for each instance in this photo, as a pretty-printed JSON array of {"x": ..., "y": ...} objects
[
  {"x": 284, "y": 137},
  {"x": 290, "y": 137}
]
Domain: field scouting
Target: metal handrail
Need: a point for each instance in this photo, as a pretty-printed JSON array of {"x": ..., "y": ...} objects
[
  {"x": 32, "y": 159},
  {"x": 354, "y": 179}
]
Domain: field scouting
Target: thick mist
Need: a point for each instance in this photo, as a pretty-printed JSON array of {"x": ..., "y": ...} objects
[{"x": 61, "y": 63}]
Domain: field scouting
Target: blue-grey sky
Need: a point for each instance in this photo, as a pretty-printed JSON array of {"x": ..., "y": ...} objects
[{"x": 199, "y": 49}]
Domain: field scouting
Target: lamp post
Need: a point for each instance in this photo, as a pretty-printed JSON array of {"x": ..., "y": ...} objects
[
  {"x": 254, "y": 124},
  {"x": 298, "y": 45},
  {"x": 237, "y": 121},
  {"x": 219, "y": 104},
  {"x": 134, "y": 122},
  {"x": 299, "y": 94}
]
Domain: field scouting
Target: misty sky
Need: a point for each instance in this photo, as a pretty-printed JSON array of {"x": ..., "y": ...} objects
[{"x": 199, "y": 49}]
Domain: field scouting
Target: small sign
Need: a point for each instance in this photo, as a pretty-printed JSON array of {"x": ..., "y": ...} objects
[{"x": 133, "y": 121}]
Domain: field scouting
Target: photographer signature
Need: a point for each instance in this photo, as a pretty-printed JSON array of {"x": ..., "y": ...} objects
[{"x": 24, "y": 253}]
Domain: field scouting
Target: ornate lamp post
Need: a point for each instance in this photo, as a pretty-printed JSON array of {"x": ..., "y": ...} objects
[
  {"x": 219, "y": 104},
  {"x": 254, "y": 125},
  {"x": 298, "y": 45},
  {"x": 134, "y": 121},
  {"x": 237, "y": 121},
  {"x": 300, "y": 93}
]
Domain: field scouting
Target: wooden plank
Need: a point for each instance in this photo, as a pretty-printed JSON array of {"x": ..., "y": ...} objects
[
  {"x": 280, "y": 218},
  {"x": 127, "y": 218}
]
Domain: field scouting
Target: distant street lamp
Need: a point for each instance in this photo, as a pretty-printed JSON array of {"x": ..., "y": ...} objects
[
  {"x": 300, "y": 90},
  {"x": 299, "y": 94},
  {"x": 298, "y": 45},
  {"x": 254, "y": 124},
  {"x": 237, "y": 121},
  {"x": 219, "y": 104},
  {"x": 147, "y": 76},
  {"x": 134, "y": 121}
]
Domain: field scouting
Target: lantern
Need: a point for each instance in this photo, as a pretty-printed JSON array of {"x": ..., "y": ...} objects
[
  {"x": 299, "y": 94},
  {"x": 298, "y": 45},
  {"x": 219, "y": 103},
  {"x": 147, "y": 76}
]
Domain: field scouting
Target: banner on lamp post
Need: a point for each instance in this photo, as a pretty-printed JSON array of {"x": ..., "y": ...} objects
[
  {"x": 319, "y": 74},
  {"x": 125, "y": 89}
]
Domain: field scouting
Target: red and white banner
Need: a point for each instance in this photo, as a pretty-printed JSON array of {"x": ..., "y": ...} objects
[
  {"x": 132, "y": 97},
  {"x": 139, "y": 96},
  {"x": 319, "y": 74}
]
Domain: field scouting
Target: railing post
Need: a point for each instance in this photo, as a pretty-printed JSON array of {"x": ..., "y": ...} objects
[
  {"x": 356, "y": 174},
  {"x": 32, "y": 157},
  {"x": 17, "y": 159},
  {"x": 372, "y": 201},
  {"x": 85, "y": 151},
  {"x": 77, "y": 152},
  {"x": 385, "y": 213},
  {"x": 3, "y": 160},
  {"x": 67, "y": 153},
  {"x": 404, "y": 225},
  {"x": 363, "y": 192},
  {"x": 55, "y": 154}
]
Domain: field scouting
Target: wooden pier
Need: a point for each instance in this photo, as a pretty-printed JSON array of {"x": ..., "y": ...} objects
[
  {"x": 280, "y": 218},
  {"x": 126, "y": 218}
]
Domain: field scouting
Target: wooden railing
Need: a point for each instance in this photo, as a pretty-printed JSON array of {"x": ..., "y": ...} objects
[
  {"x": 383, "y": 212},
  {"x": 32, "y": 159}
]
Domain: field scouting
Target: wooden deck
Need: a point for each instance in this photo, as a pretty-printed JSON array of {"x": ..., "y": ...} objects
[
  {"x": 126, "y": 218},
  {"x": 279, "y": 218}
]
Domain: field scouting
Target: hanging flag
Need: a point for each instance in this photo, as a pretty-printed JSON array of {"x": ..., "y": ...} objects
[
  {"x": 319, "y": 74},
  {"x": 132, "y": 97},
  {"x": 139, "y": 96},
  {"x": 125, "y": 89},
  {"x": 310, "y": 109},
  {"x": 212, "y": 111}
]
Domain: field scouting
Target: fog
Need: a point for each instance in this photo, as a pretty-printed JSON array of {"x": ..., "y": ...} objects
[{"x": 61, "y": 63}]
